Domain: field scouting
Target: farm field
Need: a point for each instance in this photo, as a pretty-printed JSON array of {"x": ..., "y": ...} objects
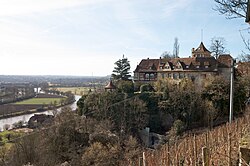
[
  {"x": 75, "y": 90},
  {"x": 38, "y": 101},
  {"x": 31, "y": 105}
]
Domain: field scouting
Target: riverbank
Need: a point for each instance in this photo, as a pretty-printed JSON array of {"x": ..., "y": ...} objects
[
  {"x": 33, "y": 111},
  {"x": 25, "y": 117}
]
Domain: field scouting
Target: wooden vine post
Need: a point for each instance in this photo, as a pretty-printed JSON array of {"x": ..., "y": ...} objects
[{"x": 205, "y": 156}]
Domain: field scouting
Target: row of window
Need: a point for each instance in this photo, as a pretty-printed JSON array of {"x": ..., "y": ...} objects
[
  {"x": 179, "y": 75},
  {"x": 152, "y": 76},
  {"x": 199, "y": 55},
  {"x": 149, "y": 76},
  {"x": 179, "y": 67}
]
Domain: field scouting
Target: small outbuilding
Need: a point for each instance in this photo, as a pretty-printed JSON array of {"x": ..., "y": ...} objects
[{"x": 110, "y": 86}]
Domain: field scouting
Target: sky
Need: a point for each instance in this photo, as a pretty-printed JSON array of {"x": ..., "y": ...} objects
[{"x": 86, "y": 37}]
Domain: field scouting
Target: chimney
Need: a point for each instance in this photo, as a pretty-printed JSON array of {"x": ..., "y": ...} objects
[{"x": 192, "y": 52}]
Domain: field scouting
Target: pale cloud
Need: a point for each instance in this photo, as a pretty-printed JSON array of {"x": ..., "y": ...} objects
[
  {"x": 171, "y": 7},
  {"x": 78, "y": 37},
  {"x": 127, "y": 13},
  {"x": 23, "y": 7},
  {"x": 138, "y": 15}
]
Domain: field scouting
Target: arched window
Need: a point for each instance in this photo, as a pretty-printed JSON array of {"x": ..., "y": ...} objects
[
  {"x": 152, "y": 76},
  {"x": 147, "y": 76}
]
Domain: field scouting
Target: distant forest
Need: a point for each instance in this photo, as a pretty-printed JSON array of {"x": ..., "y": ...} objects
[{"x": 59, "y": 80}]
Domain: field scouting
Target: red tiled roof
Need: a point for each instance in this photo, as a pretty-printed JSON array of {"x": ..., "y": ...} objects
[
  {"x": 186, "y": 61},
  {"x": 147, "y": 65},
  {"x": 110, "y": 85},
  {"x": 244, "y": 67},
  {"x": 225, "y": 60}
]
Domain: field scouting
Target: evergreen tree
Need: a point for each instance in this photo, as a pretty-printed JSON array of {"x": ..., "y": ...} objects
[{"x": 121, "y": 70}]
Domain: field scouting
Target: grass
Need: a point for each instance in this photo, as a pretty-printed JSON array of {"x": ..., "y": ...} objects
[
  {"x": 11, "y": 134},
  {"x": 75, "y": 90},
  {"x": 37, "y": 101},
  {"x": 5, "y": 140}
]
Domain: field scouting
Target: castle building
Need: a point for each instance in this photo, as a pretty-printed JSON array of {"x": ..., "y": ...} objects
[{"x": 196, "y": 67}]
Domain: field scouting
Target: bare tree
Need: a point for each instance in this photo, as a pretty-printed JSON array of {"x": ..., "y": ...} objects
[
  {"x": 235, "y": 9},
  {"x": 232, "y": 8},
  {"x": 166, "y": 55},
  {"x": 217, "y": 46},
  {"x": 244, "y": 57},
  {"x": 176, "y": 48}
]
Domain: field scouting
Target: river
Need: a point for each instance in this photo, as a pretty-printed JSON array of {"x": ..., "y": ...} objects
[{"x": 26, "y": 117}]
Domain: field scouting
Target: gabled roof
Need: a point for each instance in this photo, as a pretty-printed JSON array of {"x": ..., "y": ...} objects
[
  {"x": 186, "y": 61},
  {"x": 201, "y": 48},
  {"x": 180, "y": 63},
  {"x": 148, "y": 65}
]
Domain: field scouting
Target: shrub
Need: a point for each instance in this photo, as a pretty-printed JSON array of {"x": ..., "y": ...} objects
[
  {"x": 18, "y": 124},
  {"x": 146, "y": 88},
  {"x": 98, "y": 154},
  {"x": 177, "y": 128},
  {"x": 125, "y": 86}
]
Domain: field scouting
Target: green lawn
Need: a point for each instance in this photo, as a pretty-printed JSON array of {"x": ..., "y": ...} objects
[
  {"x": 74, "y": 90},
  {"x": 45, "y": 101}
]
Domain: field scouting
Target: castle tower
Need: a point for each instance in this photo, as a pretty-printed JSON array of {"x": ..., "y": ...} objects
[{"x": 201, "y": 51}]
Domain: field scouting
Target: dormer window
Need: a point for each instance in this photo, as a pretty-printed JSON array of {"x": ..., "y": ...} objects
[
  {"x": 206, "y": 64},
  {"x": 187, "y": 66},
  {"x": 160, "y": 67},
  {"x": 178, "y": 65},
  {"x": 166, "y": 67},
  {"x": 197, "y": 66}
]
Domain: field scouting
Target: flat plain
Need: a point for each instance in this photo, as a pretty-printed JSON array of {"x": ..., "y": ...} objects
[{"x": 35, "y": 101}]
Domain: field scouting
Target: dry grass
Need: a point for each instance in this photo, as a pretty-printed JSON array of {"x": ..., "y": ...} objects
[{"x": 222, "y": 142}]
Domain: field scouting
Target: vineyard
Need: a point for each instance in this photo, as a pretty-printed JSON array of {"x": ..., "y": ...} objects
[{"x": 219, "y": 146}]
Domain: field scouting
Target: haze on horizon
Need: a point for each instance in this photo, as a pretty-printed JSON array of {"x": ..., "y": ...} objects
[{"x": 85, "y": 38}]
